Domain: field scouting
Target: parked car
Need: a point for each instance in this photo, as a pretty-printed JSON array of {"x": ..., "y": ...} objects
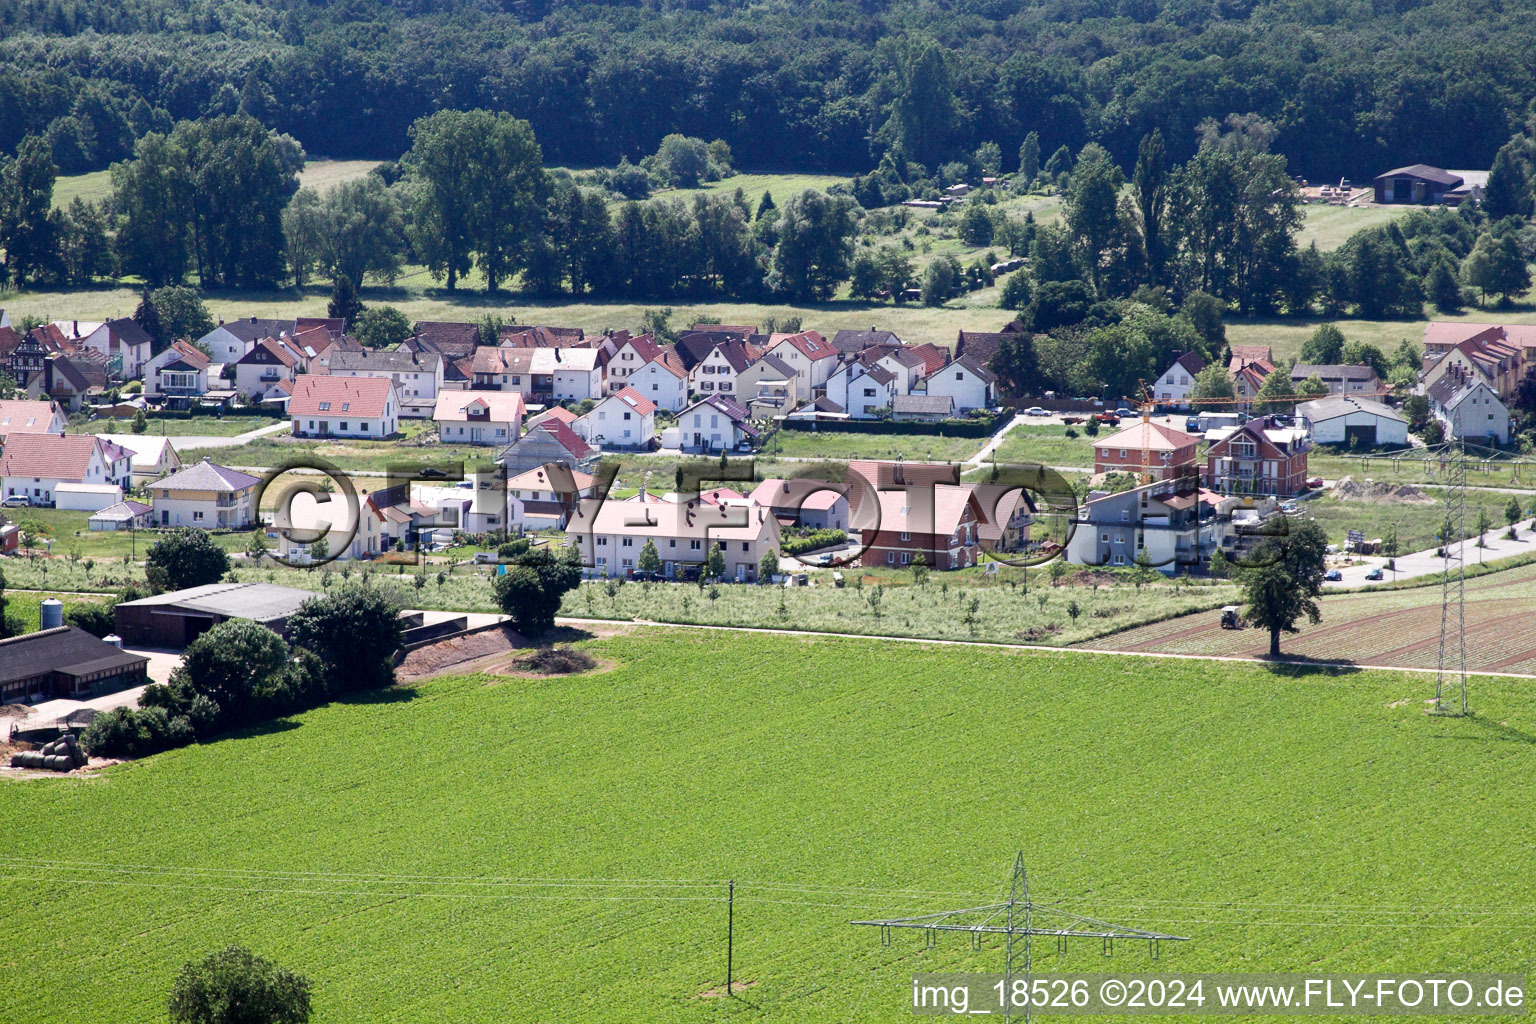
[
  {"x": 1124, "y": 411},
  {"x": 1315, "y": 483},
  {"x": 1375, "y": 574},
  {"x": 1192, "y": 425},
  {"x": 1035, "y": 410},
  {"x": 16, "y": 501},
  {"x": 644, "y": 576},
  {"x": 1333, "y": 576}
]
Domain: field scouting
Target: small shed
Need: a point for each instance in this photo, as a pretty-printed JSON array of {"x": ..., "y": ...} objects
[{"x": 86, "y": 497}]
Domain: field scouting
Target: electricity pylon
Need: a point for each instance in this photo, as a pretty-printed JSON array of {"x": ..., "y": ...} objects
[{"x": 1020, "y": 919}]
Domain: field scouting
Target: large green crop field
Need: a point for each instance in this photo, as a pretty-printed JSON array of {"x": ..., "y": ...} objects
[{"x": 512, "y": 849}]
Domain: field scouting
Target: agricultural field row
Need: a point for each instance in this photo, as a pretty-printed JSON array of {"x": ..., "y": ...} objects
[{"x": 513, "y": 846}]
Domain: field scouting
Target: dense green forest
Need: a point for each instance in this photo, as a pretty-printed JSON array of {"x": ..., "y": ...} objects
[{"x": 1351, "y": 86}]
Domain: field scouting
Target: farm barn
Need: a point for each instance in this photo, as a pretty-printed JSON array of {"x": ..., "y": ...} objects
[
  {"x": 1342, "y": 419},
  {"x": 179, "y": 617}
]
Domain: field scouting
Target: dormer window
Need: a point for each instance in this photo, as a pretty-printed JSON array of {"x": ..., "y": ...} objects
[{"x": 325, "y": 406}]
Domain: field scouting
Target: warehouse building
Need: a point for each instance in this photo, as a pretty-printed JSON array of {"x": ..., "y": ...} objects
[
  {"x": 65, "y": 662},
  {"x": 181, "y": 616},
  {"x": 1343, "y": 419}
]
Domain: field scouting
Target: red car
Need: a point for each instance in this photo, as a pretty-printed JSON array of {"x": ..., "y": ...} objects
[{"x": 1315, "y": 483}]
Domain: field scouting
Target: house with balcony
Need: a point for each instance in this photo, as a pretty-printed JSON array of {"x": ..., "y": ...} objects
[
  {"x": 1259, "y": 458},
  {"x": 612, "y": 533},
  {"x": 206, "y": 495},
  {"x": 266, "y": 363},
  {"x": 565, "y": 375},
  {"x": 942, "y": 521},
  {"x": 228, "y": 342},
  {"x": 1146, "y": 447},
  {"x": 179, "y": 374},
  {"x": 809, "y": 355},
  {"x": 501, "y": 369},
  {"x": 1165, "y": 524},
  {"x": 715, "y": 423}
]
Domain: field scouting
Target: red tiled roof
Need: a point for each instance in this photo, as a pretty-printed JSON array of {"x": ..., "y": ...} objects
[
  {"x": 567, "y": 437},
  {"x": 365, "y": 397},
  {"x": 501, "y": 406},
  {"x": 635, "y": 400},
  {"x": 65, "y": 457}
]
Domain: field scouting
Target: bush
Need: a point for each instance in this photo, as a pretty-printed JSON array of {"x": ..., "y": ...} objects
[
  {"x": 355, "y": 631},
  {"x": 233, "y": 986},
  {"x": 530, "y": 593},
  {"x": 125, "y": 732},
  {"x": 95, "y": 617},
  {"x": 811, "y": 540},
  {"x": 185, "y": 557}
]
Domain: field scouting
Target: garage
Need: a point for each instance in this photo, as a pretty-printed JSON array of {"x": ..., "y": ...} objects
[{"x": 1354, "y": 422}]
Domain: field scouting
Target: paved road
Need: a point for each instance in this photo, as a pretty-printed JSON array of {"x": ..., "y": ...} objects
[
  {"x": 1427, "y": 563},
  {"x": 182, "y": 443}
]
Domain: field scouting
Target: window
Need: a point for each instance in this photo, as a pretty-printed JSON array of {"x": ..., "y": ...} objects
[
  {"x": 890, "y": 558},
  {"x": 602, "y": 542},
  {"x": 343, "y": 424},
  {"x": 906, "y": 557},
  {"x": 959, "y": 375},
  {"x": 629, "y": 542},
  {"x": 869, "y": 392},
  {"x": 672, "y": 543},
  {"x": 693, "y": 545},
  {"x": 1122, "y": 453},
  {"x": 325, "y": 406},
  {"x": 905, "y": 535},
  {"x": 197, "y": 517}
]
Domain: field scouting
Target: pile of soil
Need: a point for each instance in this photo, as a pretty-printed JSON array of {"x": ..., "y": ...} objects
[
  {"x": 1378, "y": 493},
  {"x": 555, "y": 661}
]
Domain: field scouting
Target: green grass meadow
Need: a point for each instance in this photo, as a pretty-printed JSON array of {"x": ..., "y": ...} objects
[{"x": 477, "y": 849}]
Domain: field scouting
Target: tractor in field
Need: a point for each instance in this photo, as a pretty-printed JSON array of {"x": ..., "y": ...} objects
[{"x": 1232, "y": 617}]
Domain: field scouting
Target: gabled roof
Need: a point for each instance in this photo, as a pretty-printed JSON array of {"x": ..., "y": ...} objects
[
  {"x": 969, "y": 364},
  {"x": 60, "y": 457},
  {"x": 691, "y": 519},
  {"x": 67, "y": 649},
  {"x": 741, "y": 329},
  {"x": 500, "y": 406},
  {"x": 126, "y": 331},
  {"x": 1451, "y": 332},
  {"x": 556, "y": 412},
  {"x": 334, "y": 325},
  {"x": 1192, "y": 362},
  {"x": 809, "y": 343},
  {"x": 912, "y": 511},
  {"x": 878, "y": 374},
  {"x": 849, "y": 342},
  {"x": 645, "y": 346},
  {"x": 501, "y": 360},
  {"x": 739, "y": 354},
  {"x": 922, "y": 405},
  {"x": 396, "y": 361},
  {"x": 568, "y": 438},
  {"x": 363, "y": 397},
  {"x": 1334, "y": 371},
  {"x": 1251, "y": 354},
  {"x": 735, "y": 410},
  {"x": 25, "y": 416},
  {"x": 187, "y": 354},
  {"x": 255, "y": 328},
  {"x": 557, "y": 479},
  {"x": 273, "y": 347},
  {"x": 539, "y": 336},
  {"x": 147, "y": 449},
  {"x": 447, "y": 337},
  {"x": 10, "y": 340},
  {"x": 980, "y": 345},
  {"x": 1435, "y": 175},
  {"x": 82, "y": 375},
  {"x": 669, "y": 360},
  {"x": 934, "y": 357},
  {"x": 205, "y": 476},
  {"x": 632, "y": 398},
  {"x": 777, "y": 365},
  {"x": 1321, "y": 409},
  {"x": 903, "y": 355}
]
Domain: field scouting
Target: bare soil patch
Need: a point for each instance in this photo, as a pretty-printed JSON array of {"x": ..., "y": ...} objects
[
  {"x": 1377, "y": 493},
  {"x": 434, "y": 659},
  {"x": 718, "y": 992}
]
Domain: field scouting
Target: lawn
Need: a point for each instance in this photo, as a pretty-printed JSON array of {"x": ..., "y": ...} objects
[
  {"x": 97, "y": 185},
  {"x": 1492, "y": 473},
  {"x": 560, "y": 846},
  {"x": 1049, "y": 445},
  {"x": 837, "y": 444},
  {"x": 71, "y": 531},
  {"x": 1418, "y": 525},
  {"x": 780, "y": 186},
  {"x": 25, "y": 610},
  {"x": 176, "y": 426},
  {"x": 1331, "y": 226}
]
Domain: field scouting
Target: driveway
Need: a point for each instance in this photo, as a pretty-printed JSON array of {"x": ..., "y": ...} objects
[{"x": 183, "y": 442}]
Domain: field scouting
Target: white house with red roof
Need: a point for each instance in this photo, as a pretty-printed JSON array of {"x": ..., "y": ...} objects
[
  {"x": 326, "y": 406},
  {"x": 663, "y": 380},
  {"x": 543, "y": 498},
  {"x": 811, "y": 356},
  {"x": 268, "y": 361},
  {"x": 180, "y": 370},
  {"x": 803, "y": 503},
  {"x": 611, "y": 535},
  {"x": 79, "y": 471},
  {"x": 625, "y": 419},
  {"x": 478, "y": 417},
  {"x": 715, "y": 423},
  {"x": 631, "y": 353},
  {"x": 1176, "y": 382},
  {"x": 29, "y": 416}
]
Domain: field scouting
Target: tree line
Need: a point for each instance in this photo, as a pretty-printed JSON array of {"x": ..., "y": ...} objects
[
  {"x": 831, "y": 84},
  {"x": 219, "y": 200}
]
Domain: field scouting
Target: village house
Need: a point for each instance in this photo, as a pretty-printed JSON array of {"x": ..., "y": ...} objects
[
  {"x": 550, "y": 443},
  {"x": 544, "y": 498},
  {"x": 478, "y": 417},
  {"x": 715, "y": 423},
  {"x": 1146, "y": 447},
  {"x": 861, "y": 390},
  {"x": 940, "y": 521},
  {"x": 1468, "y": 408},
  {"x": 153, "y": 455},
  {"x": 73, "y": 471},
  {"x": 1164, "y": 525},
  {"x": 1342, "y": 379},
  {"x": 768, "y": 387},
  {"x": 71, "y": 380},
  {"x": 180, "y": 372},
  {"x": 969, "y": 383},
  {"x": 899, "y": 361},
  {"x": 1496, "y": 357},
  {"x": 30, "y": 416},
  {"x": 1176, "y": 382},
  {"x": 611, "y": 535},
  {"x": 980, "y": 346},
  {"x": 1259, "y": 458},
  {"x": 717, "y": 371},
  {"x": 1249, "y": 366},
  {"x": 206, "y": 495},
  {"x": 125, "y": 515},
  {"x": 268, "y": 361},
  {"x": 630, "y": 354},
  {"x": 502, "y": 369},
  {"x": 565, "y": 375},
  {"x": 123, "y": 345},
  {"x": 228, "y": 342},
  {"x": 360, "y": 407},
  {"x": 850, "y": 343},
  {"x": 625, "y": 419},
  {"x": 810, "y": 356},
  {"x": 417, "y": 376},
  {"x": 806, "y": 504},
  {"x": 663, "y": 380},
  {"x": 922, "y": 408}
]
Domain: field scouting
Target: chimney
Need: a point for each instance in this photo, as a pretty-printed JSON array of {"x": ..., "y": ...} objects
[
  {"x": 253, "y": 319},
  {"x": 75, "y": 324},
  {"x": 557, "y": 353}
]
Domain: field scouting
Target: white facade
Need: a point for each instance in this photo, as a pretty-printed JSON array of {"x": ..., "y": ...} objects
[
  {"x": 1475, "y": 414},
  {"x": 43, "y": 490},
  {"x": 613, "y": 423},
  {"x": 962, "y": 383},
  {"x": 574, "y": 372},
  {"x": 859, "y": 392},
  {"x": 657, "y": 382},
  {"x": 712, "y": 375},
  {"x": 1334, "y": 421},
  {"x": 416, "y": 386},
  {"x": 339, "y": 422},
  {"x": 704, "y": 426},
  {"x": 86, "y": 497}
]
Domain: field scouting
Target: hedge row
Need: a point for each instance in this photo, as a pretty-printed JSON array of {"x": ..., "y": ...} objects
[{"x": 978, "y": 427}]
